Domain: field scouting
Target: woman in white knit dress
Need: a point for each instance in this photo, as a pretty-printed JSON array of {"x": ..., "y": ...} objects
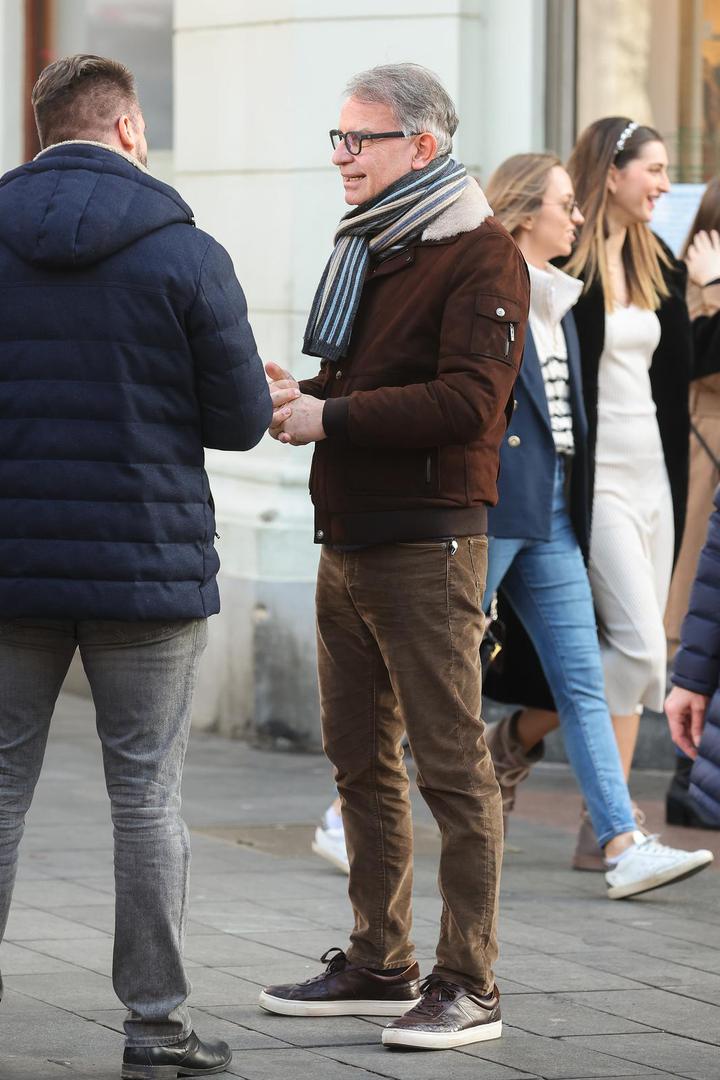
[
  {"x": 631, "y": 548},
  {"x": 636, "y": 351}
]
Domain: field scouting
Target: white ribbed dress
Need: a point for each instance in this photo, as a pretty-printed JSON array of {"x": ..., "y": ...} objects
[{"x": 631, "y": 545}]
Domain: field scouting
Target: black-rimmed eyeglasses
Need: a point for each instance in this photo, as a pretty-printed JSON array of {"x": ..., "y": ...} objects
[
  {"x": 354, "y": 139},
  {"x": 569, "y": 206}
]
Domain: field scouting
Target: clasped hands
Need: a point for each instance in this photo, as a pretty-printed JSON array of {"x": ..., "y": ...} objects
[{"x": 297, "y": 417}]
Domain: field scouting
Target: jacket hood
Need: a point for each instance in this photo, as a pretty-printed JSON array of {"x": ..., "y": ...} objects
[{"x": 78, "y": 203}]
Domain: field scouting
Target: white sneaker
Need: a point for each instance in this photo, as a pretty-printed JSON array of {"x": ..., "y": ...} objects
[
  {"x": 649, "y": 864},
  {"x": 329, "y": 843}
]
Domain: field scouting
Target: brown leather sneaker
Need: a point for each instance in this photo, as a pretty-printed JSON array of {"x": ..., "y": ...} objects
[
  {"x": 448, "y": 1015},
  {"x": 345, "y": 990}
]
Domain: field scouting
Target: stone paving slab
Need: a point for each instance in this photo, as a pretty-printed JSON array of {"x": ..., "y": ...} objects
[
  {"x": 551, "y": 974},
  {"x": 28, "y": 924},
  {"x": 655, "y": 971},
  {"x": 657, "y": 1008},
  {"x": 228, "y": 950},
  {"x": 565, "y": 1014},
  {"x": 299, "y": 1031},
  {"x": 590, "y": 988},
  {"x": 237, "y": 1036},
  {"x": 679, "y": 1056},
  {"x": 401, "y": 1065},
  {"x": 554, "y": 1059},
  {"x": 22, "y": 960}
]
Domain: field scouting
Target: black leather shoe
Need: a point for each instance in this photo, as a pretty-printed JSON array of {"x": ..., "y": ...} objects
[{"x": 189, "y": 1058}]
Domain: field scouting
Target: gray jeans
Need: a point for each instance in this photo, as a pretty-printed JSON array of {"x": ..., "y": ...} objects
[{"x": 142, "y": 676}]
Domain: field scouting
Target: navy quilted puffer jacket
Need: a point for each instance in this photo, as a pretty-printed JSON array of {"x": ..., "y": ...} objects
[
  {"x": 697, "y": 667},
  {"x": 124, "y": 349}
]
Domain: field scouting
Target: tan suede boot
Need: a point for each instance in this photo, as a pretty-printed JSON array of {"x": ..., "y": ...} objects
[
  {"x": 512, "y": 763},
  {"x": 588, "y": 853}
]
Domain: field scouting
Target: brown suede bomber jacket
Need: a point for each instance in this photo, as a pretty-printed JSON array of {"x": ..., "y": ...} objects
[{"x": 415, "y": 412}]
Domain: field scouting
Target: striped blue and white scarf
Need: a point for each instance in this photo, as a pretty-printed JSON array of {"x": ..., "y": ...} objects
[{"x": 397, "y": 215}]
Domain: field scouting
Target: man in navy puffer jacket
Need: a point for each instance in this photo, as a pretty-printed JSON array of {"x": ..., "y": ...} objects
[
  {"x": 124, "y": 349},
  {"x": 693, "y": 706}
]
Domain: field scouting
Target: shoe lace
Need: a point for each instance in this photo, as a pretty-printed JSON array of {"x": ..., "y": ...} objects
[
  {"x": 510, "y": 775},
  {"x": 651, "y": 844},
  {"x": 335, "y": 959},
  {"x": 640, "y": 819},
  {"x": 437, "y": 991}
]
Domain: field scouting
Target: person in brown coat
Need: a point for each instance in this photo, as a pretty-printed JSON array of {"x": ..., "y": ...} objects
[{"x": 419, "y": 322}]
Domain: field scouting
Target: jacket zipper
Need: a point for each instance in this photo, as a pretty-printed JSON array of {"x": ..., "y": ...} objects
[
  {"x": 510, "y": 338},
  {"x": 428, "y": 469}
]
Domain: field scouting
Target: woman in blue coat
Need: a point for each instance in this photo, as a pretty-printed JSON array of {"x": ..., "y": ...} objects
[
  {"x": 693, "y": 706},
  {"x": 539, "y": 535}
]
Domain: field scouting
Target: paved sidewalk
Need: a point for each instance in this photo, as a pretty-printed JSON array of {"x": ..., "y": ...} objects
[{"x": 591, "y": 988}]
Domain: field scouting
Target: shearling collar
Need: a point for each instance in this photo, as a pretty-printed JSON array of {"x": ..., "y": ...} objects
[
  {"x": 94, "y": 142},
  {"x": 465, "y": 214}
]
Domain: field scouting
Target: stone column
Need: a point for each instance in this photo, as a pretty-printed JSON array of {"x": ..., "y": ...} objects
[{"x": 11, "y": 84}]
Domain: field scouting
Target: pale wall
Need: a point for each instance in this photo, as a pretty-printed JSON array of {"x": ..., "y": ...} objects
[{"x": 11, "y": 83}]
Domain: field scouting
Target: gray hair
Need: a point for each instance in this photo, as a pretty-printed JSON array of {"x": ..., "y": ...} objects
[{"x": 416, "y": 96}]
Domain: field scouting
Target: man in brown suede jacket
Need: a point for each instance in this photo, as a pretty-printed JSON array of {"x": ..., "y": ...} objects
[{"x": 419, "y": 322}]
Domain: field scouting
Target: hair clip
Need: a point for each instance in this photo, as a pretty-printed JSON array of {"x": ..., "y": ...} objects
[{"x": 620, "y": 144}]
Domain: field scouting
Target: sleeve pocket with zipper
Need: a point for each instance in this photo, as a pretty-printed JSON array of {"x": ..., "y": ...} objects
[{"x": 494, "y": 329}]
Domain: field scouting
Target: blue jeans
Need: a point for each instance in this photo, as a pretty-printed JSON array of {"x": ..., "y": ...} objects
[
  {"x": 547, "y": 586},
  {"x": 142, "y": 676}
]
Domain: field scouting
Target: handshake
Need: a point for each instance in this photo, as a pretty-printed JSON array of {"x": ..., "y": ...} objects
[{"x": 297, "y": 417}]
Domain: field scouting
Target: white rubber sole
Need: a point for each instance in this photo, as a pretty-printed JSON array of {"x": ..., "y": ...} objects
[
  {"x": 335, "y": 1008},
  {"x": 331, "y": 857},
  {"x": 441, "y": 1040},
  {"x": 675, "y": 873}
]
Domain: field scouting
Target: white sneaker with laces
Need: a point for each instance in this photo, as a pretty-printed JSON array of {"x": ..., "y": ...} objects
[
  {"x": 329, "y": 843},
  {"x": 649, "y": 865}
]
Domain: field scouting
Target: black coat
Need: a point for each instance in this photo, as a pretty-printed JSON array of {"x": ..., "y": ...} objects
[
  {"x": 124, "y": 348},
  {"x": 670, "y": 375}
]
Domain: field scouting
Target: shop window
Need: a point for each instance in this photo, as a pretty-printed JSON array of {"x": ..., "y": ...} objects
[
  {"x": 657, "y": 61},
  {"x": 136, "y": 32}
]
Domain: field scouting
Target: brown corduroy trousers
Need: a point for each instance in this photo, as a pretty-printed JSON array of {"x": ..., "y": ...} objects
[{"x": 399, "y": 630}]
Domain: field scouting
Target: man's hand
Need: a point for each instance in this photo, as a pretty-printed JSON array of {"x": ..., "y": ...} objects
[
  {"x": 703, "y": 258},
  {"x": 304, "y": 425},
  {"x": 685, "y": 711},
  {"x": 283, "y": 390}
]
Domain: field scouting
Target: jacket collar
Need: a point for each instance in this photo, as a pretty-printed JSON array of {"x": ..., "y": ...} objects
[
  {"x": 466, "y": 213},
  {"x": 93, "y": 142}
]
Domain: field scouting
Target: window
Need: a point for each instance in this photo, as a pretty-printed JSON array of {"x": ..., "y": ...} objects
[
  {"x": 136, "y": 32},
  {"x": 658, "y": 62}
]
